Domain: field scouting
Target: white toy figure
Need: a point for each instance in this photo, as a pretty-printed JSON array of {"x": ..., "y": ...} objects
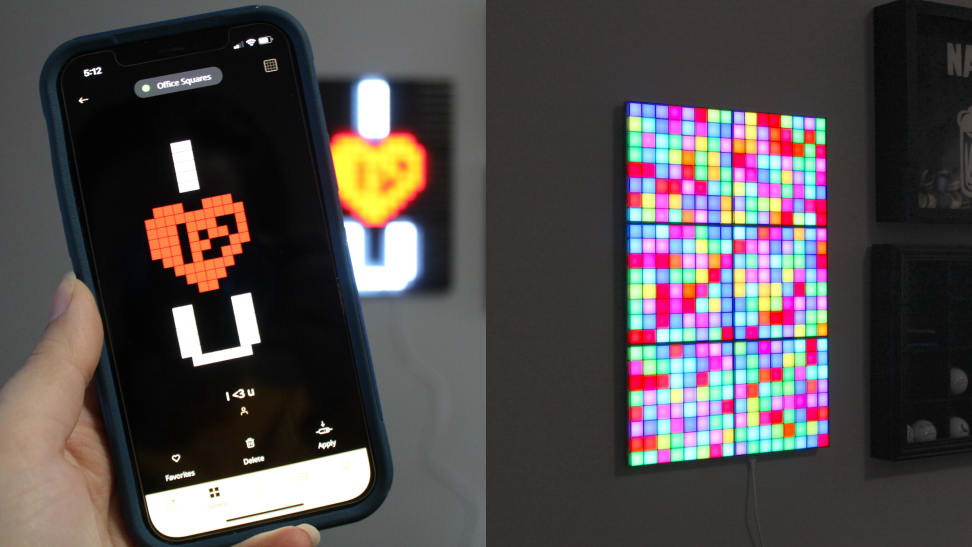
[
  {"x": 958, "y": 428},
  {"x": 911, "y": 433},
  {"x": 959, "y": 381},
  {"x": 924, "y": 431}
]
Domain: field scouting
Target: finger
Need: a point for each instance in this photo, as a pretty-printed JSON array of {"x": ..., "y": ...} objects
[
  {"x": 303, "y": 535},
  {"x": 40, "y": 405},
  {"x": 89, "y": 448}
]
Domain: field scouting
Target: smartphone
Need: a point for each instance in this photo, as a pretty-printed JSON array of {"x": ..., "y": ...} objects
[{"x": 200, "y": 206}]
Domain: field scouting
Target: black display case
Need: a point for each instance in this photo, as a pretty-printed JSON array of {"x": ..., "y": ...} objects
[
  {"x": 921, "y": 310},
  {"x": 923, "y": 112}
]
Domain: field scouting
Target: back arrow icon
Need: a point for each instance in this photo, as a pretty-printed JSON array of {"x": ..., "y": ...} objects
[{"x": 83, "y": 100}]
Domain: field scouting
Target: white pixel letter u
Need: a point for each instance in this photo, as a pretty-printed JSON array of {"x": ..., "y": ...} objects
[
  {"x": 400, "y": 261},
  {"x": 188, "y": 334}
]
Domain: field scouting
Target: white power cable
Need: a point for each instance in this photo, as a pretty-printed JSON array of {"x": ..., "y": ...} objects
[
  {"x": 432, "y": 429},
  {"x": 751, "y": 487}
]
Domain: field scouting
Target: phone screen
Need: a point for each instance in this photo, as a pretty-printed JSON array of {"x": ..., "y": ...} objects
[{"x": 207, "y": 236}]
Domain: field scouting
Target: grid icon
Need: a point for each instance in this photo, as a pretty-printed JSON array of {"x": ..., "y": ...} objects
[
  {"x": 727, "y": 320},
  {"x": 270, "y": 65}
]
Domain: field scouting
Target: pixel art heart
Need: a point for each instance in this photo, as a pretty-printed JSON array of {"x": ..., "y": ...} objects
[
  {"x": 163, "y": 237},
  {"x": 377, "y": 181}
]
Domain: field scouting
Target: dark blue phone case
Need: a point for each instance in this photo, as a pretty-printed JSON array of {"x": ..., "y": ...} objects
[{"x": 133, "y": 504}]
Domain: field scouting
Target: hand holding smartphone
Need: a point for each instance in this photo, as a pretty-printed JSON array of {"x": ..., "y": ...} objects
[{"x": 197, "y": 193}]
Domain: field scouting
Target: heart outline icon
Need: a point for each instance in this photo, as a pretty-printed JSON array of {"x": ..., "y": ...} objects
[
  {"x": 376, "y": 180},
  {"x": 176, "y": 457},
  {"x": 163, "y": 237}
]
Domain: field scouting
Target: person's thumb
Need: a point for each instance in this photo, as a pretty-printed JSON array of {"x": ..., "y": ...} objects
[
  {"x": 303, "y": 535},
  {"x": 40, "y": 405}
]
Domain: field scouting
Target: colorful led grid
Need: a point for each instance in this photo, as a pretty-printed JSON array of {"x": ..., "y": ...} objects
[
  {"x": 679, "y": 283},
  {"x": 727, "y": 282},
  {"x": 680, "y": 164},
  {"x": 690, "y": 283},
  {"x": 779, "y": 282},
  {"x": 717, "y": 399},
  {"x": 779, "y": 169},
  {"x": 703, "y": 165}
]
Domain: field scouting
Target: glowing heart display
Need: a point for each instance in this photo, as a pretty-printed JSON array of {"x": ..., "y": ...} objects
[
  {"x": 201, "y": 228},
  {"x": 377, "y": 180}
]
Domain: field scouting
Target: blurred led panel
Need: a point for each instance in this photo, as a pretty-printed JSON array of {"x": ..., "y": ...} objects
[
  {"x": 726, "y": 263},
  {"x": 391, "y": 144}
]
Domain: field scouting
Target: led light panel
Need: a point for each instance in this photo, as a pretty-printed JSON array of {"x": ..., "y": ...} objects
[
  {"x": 779, "y": 282},
  {"x": 715, "y": 399},
  {"x": 684, "y": 165},
  {"x": 680, "y": 283},
  {"x": 726, "y": 283},
  {"x": 391, "y": 142}
]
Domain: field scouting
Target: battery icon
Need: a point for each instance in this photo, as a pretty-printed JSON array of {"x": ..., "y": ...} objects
[{"x": 264, "y": 40}]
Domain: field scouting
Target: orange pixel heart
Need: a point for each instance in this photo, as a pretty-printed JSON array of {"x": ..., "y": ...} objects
[
  {"x": 377, "y": 181},
  {"x": 163, "y": 237}
]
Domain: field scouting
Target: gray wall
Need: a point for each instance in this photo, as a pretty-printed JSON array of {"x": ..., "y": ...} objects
[
  {"x": 556, "y": 73},
  {"x": 429, "y": 352}
]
